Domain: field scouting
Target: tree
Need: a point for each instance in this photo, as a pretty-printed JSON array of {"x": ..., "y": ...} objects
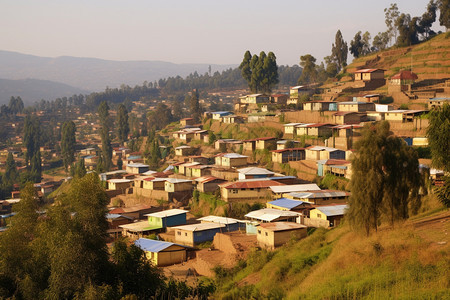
[
  {"x": 68, "y": 143},
  {"x": 16, "y": 244},
  {"x": 385, "y": 180},
  {"x": 391, "y": 14},
  {"x": 245, "y": 68},
  {"x": 31, "y": 137},
  {"x": 428, "y": 18},
  {"x": 439, "y": 142},
  {"x": 356, "y": 45},
  {"x": 195, "y": 106},
  {"x": 11, "y": 174},
  {"x": 15, "y": 105},
  {"x": 119, "y": 163},
  {"x": 309, "y": 73},
  {"x": 103, "y": 112},
  {"x": 123, "y": 128},
  {"x": 260, "y": 72},
  {"x": 366, "y": 43},
  {"x": 408, "y": 29},
  {"x": 380, "y": 41},
  {"x": 444, "y": 16},
  {"x": 339, "y": 51}
]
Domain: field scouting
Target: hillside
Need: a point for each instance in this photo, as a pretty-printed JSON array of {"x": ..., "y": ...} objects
[
  {"x": 31, "y": 90},
  {"x": 93, "y": 74},
  {"x": 429, "y": 60},
  {"x": 408, "y": 261}
]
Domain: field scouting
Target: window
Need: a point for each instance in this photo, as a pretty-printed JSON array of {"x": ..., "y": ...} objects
[
  {"x": 178, "y": 232},
  {"x": 259, "y": 231},
  {"x": 234, "y": 191},
  {"x": 319, "y": 215},
  {"x": 267, "y": 234},
  {"x": 185, "y": 234}
]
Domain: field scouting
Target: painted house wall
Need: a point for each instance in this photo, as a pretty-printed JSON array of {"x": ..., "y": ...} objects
[
  {"x": 178, "y": 187},
  {"x": 234, "y": 162},
  {"x": 244, "y": 195},
  {"x": 172, "y": 255},
  {"x": 119, "y": 185},
  {"x": 272, "y": 239},
  {"x": 192, "y": 238}
]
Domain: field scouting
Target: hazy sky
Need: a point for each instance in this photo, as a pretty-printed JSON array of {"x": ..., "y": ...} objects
[{"x": 188, "y": 31}]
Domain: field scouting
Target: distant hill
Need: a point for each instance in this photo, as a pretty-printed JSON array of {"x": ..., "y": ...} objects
[
  {"x": 31, "y": 90},
  {"x": 93, "y": 74}
]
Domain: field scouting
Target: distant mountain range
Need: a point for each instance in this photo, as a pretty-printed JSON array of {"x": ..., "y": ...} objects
[
  {"x": 32, "y": 90},
  {"x": 86, "y": 74}
]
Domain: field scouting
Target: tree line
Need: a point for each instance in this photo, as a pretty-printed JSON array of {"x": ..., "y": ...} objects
[{"x": 64, "y": 255}]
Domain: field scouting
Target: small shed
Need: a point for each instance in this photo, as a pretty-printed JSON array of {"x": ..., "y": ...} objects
[
  {"x": 162, "y": 253},
  {"x": 332, "y": 213},
  {"x": 369, "y": 74},
  {"x": 137, "y": 168},
  {"x": 272, "y": 215},
  {"x": 230, "y": 223},
  {"x": 119, "y": 184},
  {"x": 195, "y": 234},
  {"x": 178, "y": 185},
  {"x": 286, "y": 155},
  {"x": 272, "y": 235},
  {"x": 167, "y": 218},
  {"x": 183, "y": 150}
]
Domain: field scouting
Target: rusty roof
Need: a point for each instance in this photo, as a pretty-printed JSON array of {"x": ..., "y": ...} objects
[
  {"x": 250, "y": 184},
  {"x": 405, "y": 75}
]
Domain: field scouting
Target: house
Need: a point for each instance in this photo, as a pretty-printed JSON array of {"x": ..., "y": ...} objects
[
  {"x": 435, "y": 103},
  {"x": 198, "y": 170},
  {"x": 151, "y": 183},
  {"x": 288, "y": 204},
  {"x": 88, "y": 151},
  {"x": 201, "y": 135},
  {"x": 286, "y": 155},
  {"x": 403, "y": 115},
  {"x": 332, "y": 214},
  {"x": 231, "y": 160},
  {"x": 230, "y": 223},
  {"x": 343, "y": 117},
  {"x": 296, "y": 92},
  {"x": 195, "y": 234},
  {"x": 337, "y": 167},
  {"x": 178, "y": 185},
  {"x": 182, "y": 168},
  {"x": 198, "y": 158},
  {"x": 187, "y": 122},
  {"x": 315, "y": 129},
  {"x": 208, "y": 184},
  {"x": 251, "y": 190},
  {"x": 266, "y": 215},
  {"x": 119, "y": 184},
  {"x": 219, "y": 114},
  {"x": 249, "y": 145},
  {"x": 272, "y": 235},
  {"x": 183, "y": 150},
  {"x": 134, "y": 212},
  {"x": 369, "y": 74},
  {"x": 284, "y": 144},
  {"x": 224, "y": 145},
  {"x": 254, "y": 99},
  {"x": 266, "y": 143},
  {"x": 347, "y": 130},
  {"x": 402, "y": 81},
  {"x": 114, "y": 220},
  {"x": 290, "y": 128},
  {"x": 162, "y": 253},
  {"x": 322, "y": 197},
  {"x": 321, "y": 152},
  {"x": 167, "y": 218},
  {"x": 231, "y": 119},
  {"x": 320, "y": 106},
  {"x": 137, "y": 168},
  {"x": 282, "y": 190},
  {"x": 253, "y": 173},
  {"x": 280, "y": 99},
  {"x": 112, "y": 175},
  {"x": 354, "y": 106}
]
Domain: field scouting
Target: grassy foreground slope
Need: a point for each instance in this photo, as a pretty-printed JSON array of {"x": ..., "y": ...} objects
[{"x": 409, "y": 261}]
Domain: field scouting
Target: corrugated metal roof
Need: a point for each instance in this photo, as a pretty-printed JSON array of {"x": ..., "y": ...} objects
[
  {"x": 367, "y": 70},
  {"x": 250, "y": 184},
  {"x": 167, "y": 213},
  {"x": 219, "y": 220},
  {"x": 137, "y": 165},
  {"x": 295, "y": 188},
  {"x": 286, "y": 203},
  {"x": 255, "y": 171},
  {"x": 116, "y": 216},
  {"x": 119, "y": 180},
  {"x": 234, "y": 155},
  {"x": 322, "y": 148},
  {"x": 319, "y": 194},
  {"x": 200, "y": 226},
  {"x": 270, "y": 214},
  {"x": 282, "y": 226},
  {"x": 153, "y": 245},
  {"x": 332, "y": 210}
]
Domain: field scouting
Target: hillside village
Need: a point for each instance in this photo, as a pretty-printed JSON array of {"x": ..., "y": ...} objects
[{"x": 265, "y": 172}]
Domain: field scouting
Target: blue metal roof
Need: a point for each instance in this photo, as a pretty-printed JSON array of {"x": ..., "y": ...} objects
[
  {"x": 222, "y": 113},
  {"x": 132, "y": 157},
  {"x": 286, "y": 203},
  {"x": 152, "y": 245}
]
